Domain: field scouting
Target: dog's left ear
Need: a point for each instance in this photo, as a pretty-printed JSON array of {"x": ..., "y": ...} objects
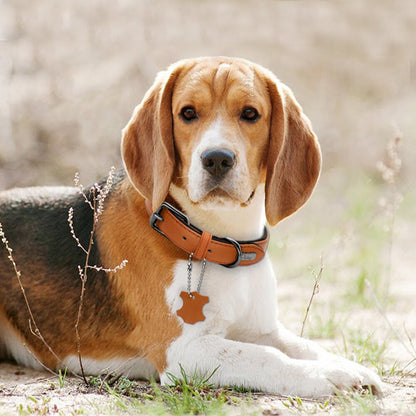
[
  {"x": 147, "y": 141},
  {"x": 294, "y": 158}
]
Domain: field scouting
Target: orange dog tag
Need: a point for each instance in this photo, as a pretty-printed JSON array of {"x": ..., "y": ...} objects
[{"x": 191, "y": 311}]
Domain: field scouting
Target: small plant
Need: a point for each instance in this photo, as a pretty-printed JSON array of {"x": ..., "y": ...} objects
[
  {"x": 62, "y": 377},
  {"x": 115, "y": 384},
  {"x": 38, "y": 407},
  {"x": 293, "y": 403},
  {"x": 365, "y": 349},
  {"x": 191, "y": 394},
  {"x": 296, "y": 405},
  {"x": 98, "y": 195},
  {"x": 356, "y": 403},
  {"x": 325, "y": 326},
  {"x": 182, "y": 395}
]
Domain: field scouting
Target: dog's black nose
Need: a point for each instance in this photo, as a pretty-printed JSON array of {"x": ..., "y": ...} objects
[{"x": 218, "y": 161}]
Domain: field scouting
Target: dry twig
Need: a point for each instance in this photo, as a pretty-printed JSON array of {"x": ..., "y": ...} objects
[
  {"x": 390, "y": 169},
  {"x": 96, "y": 203},
  {"x": 315, "y": 291}
]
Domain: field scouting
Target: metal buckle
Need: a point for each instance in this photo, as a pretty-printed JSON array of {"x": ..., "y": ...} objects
[
  {"x": 238, "y": 250},
  {"x": 157, "y": 217}
]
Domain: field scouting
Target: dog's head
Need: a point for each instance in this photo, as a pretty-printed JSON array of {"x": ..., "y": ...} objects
[{"x": 218, "y": 128}]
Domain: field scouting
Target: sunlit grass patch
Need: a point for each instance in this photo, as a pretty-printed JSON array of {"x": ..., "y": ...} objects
[
  {"x": 356, "y": 403},
  {"x": 325, "y": 326},
  {"x": 365, "y": 348},
  {"x": 186, "y": 394}
]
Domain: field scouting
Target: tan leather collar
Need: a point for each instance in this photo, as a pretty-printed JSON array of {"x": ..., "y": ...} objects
[{"x": 176, "y": 227}]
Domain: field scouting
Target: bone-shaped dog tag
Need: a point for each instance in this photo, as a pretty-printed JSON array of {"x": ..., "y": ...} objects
[{"x": 193, "y": 303}]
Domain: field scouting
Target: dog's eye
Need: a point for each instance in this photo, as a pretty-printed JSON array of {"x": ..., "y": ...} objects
[
  {"x": 249, "y": 114},
  {"x": 188, "y": 113}
]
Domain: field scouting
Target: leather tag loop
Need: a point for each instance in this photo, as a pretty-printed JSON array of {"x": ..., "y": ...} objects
[{"x": 202, "y": 249}]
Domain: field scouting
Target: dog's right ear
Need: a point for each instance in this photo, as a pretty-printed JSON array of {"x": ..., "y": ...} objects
[
  {"x": 294, "y": 157},
  {"x": 147, "y": 141}
]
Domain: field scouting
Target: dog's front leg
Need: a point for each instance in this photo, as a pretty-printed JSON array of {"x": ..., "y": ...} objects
[
  {"x": 305, "y": 349},
  {"x": 293, "y": 345},
  {"x": 258, "y": 367}
]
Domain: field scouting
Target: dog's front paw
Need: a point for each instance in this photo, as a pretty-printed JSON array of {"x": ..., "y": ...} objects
[
  {"x": 369, "y": 378},
  {"x": 325, "y": 379}
]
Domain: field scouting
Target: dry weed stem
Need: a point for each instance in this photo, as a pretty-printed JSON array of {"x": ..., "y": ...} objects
[{"x": 315, "y": 291}]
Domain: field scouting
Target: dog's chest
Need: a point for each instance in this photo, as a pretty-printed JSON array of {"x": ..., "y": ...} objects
[{"x": 241, "y": 300}]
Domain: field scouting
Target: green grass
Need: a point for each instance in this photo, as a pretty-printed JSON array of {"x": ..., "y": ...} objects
[
  {"x": 62, "y": 377},
  {"x": 191, "y": 395},
  {"x": 36, "y": 407},
  {"x": 187, "y": 394},
  {"x": 365, "y": 349},
  {"x": 353, "y": 403},
  {"x": 296, "y": 405},
  {"x": 356, "y": 403},
  {"x": 324, "y": 325},
  {"x": 116, "y": 385}
]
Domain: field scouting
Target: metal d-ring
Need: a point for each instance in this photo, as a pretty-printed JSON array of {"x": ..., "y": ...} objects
[{"x": 239, "y": 253}]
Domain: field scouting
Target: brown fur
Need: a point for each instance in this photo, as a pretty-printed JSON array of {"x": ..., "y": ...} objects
[{"x": 125, "y": 234}]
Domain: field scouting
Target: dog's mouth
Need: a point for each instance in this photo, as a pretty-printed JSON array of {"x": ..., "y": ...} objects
[
  {"x": 220, "y": 197},
  {"x": 250, "y": 198}
]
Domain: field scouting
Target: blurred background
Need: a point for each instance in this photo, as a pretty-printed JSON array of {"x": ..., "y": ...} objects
[{"x": 72, "y": 72}]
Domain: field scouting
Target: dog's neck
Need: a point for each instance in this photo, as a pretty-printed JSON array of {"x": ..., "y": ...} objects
[{"x": 240, "y": 223}]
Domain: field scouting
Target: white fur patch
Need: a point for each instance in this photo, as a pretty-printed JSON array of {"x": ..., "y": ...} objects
[
  {"x": 234, "y": 309},
  {"x": 135, "y": 367},
  {"x": 13, "y": 346},
  {"x": 242, "y": 339}
]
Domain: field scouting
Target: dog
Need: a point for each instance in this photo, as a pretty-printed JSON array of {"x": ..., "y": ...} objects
[{"x": 216, "y": 147}]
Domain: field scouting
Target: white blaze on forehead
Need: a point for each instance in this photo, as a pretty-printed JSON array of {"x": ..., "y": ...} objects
[{"x": 212, "y": 137}]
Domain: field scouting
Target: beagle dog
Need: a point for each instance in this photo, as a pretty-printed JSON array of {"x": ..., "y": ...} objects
[{"x": 217, "y": 146}]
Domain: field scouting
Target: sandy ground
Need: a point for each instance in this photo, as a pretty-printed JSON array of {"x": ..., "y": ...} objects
[
  {"x": 19, "y": 386},
  {"x": 22, "y": 389}
]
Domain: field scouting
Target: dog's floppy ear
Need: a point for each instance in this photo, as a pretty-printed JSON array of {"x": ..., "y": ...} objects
[
  {"x": 294, "y": 158},
  {"x": 147, "y": 141}
]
